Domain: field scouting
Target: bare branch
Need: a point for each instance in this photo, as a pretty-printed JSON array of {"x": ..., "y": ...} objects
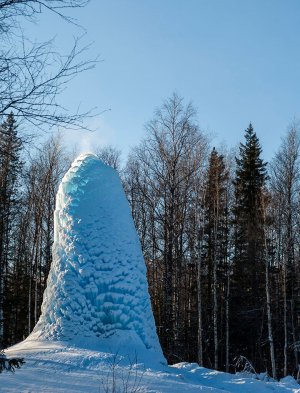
[{"x": 33, "y": 75}]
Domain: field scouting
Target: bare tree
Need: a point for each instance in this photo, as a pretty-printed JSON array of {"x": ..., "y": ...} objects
[
  {"x": 268, "y": 288},
  {"x": 110, "y": 155},
  {"x": 163, "y": 170},
  {"x": 285, "y": 185},
  {"x": 43, "y": 176},
  {"x": 32, "y": 75}
]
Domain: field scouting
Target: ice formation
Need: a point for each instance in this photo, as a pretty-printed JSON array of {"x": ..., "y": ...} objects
[{"x": 97, "y": 287}]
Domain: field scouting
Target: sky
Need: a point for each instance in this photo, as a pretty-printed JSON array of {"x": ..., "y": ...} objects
[{"x": 236, "y": 61}]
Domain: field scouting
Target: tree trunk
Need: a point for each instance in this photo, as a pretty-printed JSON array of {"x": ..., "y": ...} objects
[
  {"x": 269, "y": 316},
  {"x": 285, "y": 346}
]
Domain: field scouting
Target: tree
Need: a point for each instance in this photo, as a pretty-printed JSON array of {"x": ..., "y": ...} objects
[
  {"x": 37, "y": 222},
  {"x": 110, "y": 156},
  {"x": 33, "y": 74},
  {"x": 10, "y": 171},
  {"x": 268, "y": 266},
  {"x": 285, "y": 187},
  {"x": 161, "y": 178},
  {"x": 216, "y": 232},
  {"x": 30, "y": 239},
  {"x": 248, "y": 295}
]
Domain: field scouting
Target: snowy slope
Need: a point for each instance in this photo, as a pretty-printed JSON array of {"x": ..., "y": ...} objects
[
  {"x": 53, "y": 367},
  {"x": 97, "y": 291}
]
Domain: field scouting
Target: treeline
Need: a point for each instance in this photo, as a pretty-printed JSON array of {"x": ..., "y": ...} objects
[
  {"x": 220, "y": 235},
  {"x": 219, "y": 232},
  {"x": 28, "y": 185}
]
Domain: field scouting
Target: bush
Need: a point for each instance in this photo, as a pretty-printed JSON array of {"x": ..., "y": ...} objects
[
  {"x": 9, "y": 364},
  {"x": 121, "y": 379}
]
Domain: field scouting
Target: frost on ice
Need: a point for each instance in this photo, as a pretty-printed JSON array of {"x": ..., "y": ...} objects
[{"x": 97, "y": 288}]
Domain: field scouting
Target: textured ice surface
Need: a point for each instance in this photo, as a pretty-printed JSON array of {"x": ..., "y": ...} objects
[{"x": 97, "y": 288}]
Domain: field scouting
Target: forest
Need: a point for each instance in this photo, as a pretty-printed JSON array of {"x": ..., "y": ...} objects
[{"x": 219, "y": 229}]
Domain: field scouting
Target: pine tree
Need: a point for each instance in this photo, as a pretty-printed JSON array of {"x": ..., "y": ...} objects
[
  {"x": 10, "y": 170},
  {"x": 216, "y": 247},
  {"x": 248, "y": 296}
]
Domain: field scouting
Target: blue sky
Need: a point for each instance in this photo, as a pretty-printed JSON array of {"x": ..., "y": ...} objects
[{"x": 236, "y": 60}]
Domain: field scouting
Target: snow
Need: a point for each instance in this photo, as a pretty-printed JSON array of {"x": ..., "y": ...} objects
[
  {"x": 57, "y": 367},
  {"x": 96, "y": 319}
]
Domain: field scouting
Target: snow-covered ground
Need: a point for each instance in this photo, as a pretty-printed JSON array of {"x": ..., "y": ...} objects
[{"x": 57, "y": 367}]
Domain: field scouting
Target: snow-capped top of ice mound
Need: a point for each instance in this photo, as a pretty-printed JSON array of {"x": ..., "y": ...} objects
[{"x": 97, "y": 287}]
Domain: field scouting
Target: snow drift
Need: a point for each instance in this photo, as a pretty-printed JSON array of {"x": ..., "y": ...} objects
[{"x": 97, "y": 289}]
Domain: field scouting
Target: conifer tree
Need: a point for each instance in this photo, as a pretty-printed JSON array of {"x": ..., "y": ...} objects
[
  {"x": 10, "y": 170},
  {"x": 248, "y": 271},
  {"x": 216, "y": 248}
]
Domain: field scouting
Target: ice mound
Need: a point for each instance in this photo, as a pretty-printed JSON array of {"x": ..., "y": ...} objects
[{"x": 97, "y": 287}]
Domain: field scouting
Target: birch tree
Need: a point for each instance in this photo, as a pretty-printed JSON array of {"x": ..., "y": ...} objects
[
  {"x": 285, "y": 178},
  {"x": 168, "y": 159}
]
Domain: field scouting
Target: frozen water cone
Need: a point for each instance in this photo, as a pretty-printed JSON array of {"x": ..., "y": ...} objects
[{"x": 97, "y": 288}]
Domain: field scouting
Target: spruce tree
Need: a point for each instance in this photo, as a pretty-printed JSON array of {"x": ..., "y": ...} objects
[
  {"x": 216, "y": 233},
  {"x": 248, "y": 297},
  {"x": 10, "y": 170}
]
